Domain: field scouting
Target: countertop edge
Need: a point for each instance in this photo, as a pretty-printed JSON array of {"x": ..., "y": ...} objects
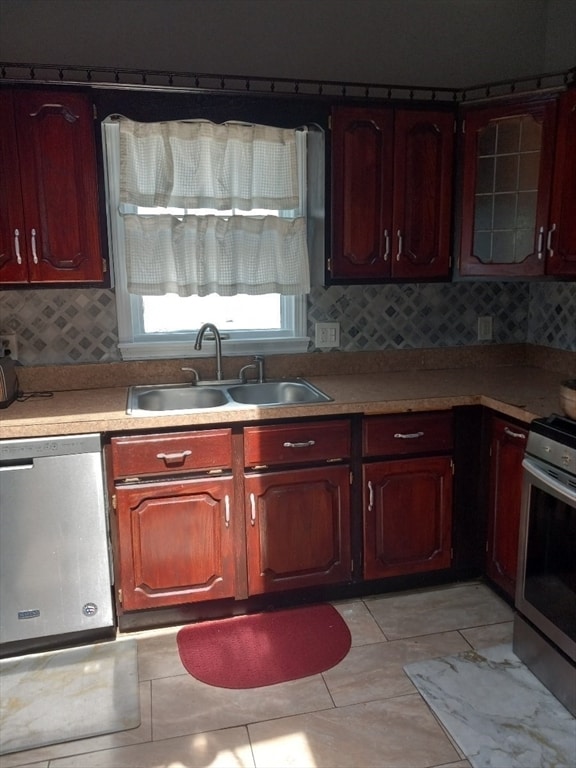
[{"x": 521, "y": 392}]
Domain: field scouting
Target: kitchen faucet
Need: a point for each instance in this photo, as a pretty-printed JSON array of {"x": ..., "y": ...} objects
[{"x": 217, "y": 339}]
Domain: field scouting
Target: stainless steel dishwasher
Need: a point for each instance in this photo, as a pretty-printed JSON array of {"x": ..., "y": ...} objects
[{"x": 55, "y": 575}]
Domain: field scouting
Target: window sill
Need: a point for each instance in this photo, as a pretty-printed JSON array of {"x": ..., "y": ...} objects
[{"x": 179, "y": 349}]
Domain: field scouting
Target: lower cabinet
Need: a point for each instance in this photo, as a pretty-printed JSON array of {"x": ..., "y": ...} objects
[
  {"x": 297, "y": 502},
  {"x": 407, "y": 494},
  {"x": 298, "y": 528},
  {"x": 173, "y": 522},
  {"x": 220, "y": 513},
  {"x": 408, "y": 516},
  {"x": 183, "y": 530},
  {"x": 177, "y": 542},
  {"x": 507, "y": 445}
]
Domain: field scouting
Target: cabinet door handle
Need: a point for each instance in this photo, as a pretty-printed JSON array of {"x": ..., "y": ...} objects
[
  {"x": 387, "y": 242},
  {"x": 34, "y": 254},
  {"x": 549, "y": 241},
  {"x": 408, "y": 435},
  {"x": 252, "y": 509},
  {"x": 400, "y": 245},
  {"x": 17, "y": 246},
  {"x": 511, "y": 433},
  {"x": 540, "y": 243},
  {"x": 307, "y": 444},
  {"x": 174, "y": 458},
  {"x": 227, "y": 510},
  {"x": 370, "y": 496}
]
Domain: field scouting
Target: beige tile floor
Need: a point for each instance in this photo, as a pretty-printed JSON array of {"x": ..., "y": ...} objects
[{"x": 363, "y": 712}]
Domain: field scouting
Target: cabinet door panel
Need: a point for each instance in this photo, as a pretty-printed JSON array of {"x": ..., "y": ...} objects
[
  {"x": 176, "y": 542},
  {"x": 507, "y": 172},
  {"x": 298, "y": 528},
  {"x": 407, "y": 517},
  {"x": 362, "y": 176},
  {"x": 561, "y": 258},
  {"x": 13, "y": 263},
  {"x": 423, "y": 148},
  {"x": 58, "y": 174},
  {"x": 507, "y": 446}
]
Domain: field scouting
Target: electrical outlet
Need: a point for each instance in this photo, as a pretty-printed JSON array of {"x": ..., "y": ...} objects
[
  {"x": 485, "y": 328},
  {"x": 327, "y": 335},
  {"x": 8, "y": 345}
]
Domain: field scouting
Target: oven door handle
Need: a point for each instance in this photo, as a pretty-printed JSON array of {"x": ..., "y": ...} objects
[{"x": 549, "y": 483}]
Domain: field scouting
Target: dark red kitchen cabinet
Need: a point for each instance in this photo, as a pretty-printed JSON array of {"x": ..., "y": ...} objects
[
  {"x": 508, "y": 156},
  {"x": 407, "y": 516},
  {"x": 423, "y": 160},
  {"x": 176, "y": 542},
  {"x": 507, "y": 446},
  {"x": 298, "y": 528},
  {"x": 407, "y": 493},
  {"x": 362, "y": 179},
  {"x": 297, "y": 504},
  {"x": 391, "y": 194},
  {"x": 561, "y": 240},
  {"x": 49, "y": 230}
]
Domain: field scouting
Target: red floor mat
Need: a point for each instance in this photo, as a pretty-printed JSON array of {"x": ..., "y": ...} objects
[{"x": 264, "y": 648}]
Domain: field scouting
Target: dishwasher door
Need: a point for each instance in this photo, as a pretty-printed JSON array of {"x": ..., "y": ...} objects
[{"x": 54, "y": 553}]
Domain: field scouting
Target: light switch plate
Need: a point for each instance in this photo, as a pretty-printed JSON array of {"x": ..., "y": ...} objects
[
  {"x": 327, "y": 335},
  {"x": 485, "y": 331}
]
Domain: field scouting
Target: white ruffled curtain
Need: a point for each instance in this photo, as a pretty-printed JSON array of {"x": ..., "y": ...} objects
[{"x": 202, "y": 165}]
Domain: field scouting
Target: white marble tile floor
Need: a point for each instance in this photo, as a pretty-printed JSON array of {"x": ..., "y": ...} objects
[
  {"x": 363, "y": 712},
  {"x": 69, "y": 694},
  {"x": 496, "y": 710}
]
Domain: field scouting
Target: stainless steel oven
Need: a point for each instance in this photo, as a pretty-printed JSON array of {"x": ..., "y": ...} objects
[{"x": 545, "y": 620}]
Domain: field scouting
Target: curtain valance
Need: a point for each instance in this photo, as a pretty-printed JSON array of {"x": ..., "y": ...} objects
[{"x": 199, "y": 164}]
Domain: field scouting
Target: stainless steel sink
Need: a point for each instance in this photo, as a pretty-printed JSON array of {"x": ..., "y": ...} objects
[
  {"x": 144, "y": 400},
  {"x": 174, "y": 398},
  {"x": 277, "y": 393}
]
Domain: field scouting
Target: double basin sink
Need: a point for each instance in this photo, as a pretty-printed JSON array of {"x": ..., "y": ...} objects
[{"x": 145, "y": 400}]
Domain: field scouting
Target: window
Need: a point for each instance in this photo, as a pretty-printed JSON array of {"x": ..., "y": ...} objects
[{"x": 165, "y": 325}]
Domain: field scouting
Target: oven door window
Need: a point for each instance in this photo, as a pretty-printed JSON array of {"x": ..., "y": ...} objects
[{"x": 551, "y": 561}]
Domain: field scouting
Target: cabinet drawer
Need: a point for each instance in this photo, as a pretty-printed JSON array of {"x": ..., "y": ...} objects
[
  {"x": 296, "y": 443},
  {"x": 404, "y": 434},
  {"x": 170, "y": 454}
]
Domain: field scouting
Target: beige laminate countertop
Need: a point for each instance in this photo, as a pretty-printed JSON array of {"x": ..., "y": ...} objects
[{"x": 522, "y": 392}]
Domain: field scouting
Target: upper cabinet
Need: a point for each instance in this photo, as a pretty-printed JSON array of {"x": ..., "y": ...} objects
[
  {"x": 391, "y": 194},
  {"x": 49, "y": 221},
  {"x": 512, "y": 223},
  {"x": 561, "y": 244}
]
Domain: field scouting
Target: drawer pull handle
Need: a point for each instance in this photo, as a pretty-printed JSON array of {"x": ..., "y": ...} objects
[
  {"x": 370, "y": 496},
  {"x": 307, "y": 444},
  {"x": 511, "y": 433},
  {"x": 227, "y": 510},
  {"x": 408, "y": 435},
  {"x": 252, "y": 509},
  {"x": 387, "y": 241},
  {"x": 174, "y": 458}
]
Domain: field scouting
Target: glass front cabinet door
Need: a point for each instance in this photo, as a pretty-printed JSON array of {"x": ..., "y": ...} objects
[{"x": 507, "y": 180}]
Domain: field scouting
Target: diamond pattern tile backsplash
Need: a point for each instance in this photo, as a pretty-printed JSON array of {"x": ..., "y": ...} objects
[{"x": 60, "y": 326}]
